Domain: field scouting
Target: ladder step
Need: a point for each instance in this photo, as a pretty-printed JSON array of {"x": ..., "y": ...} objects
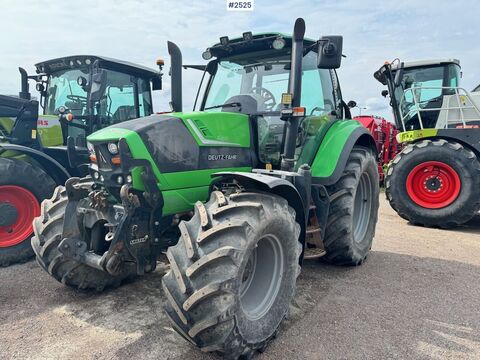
[
  {"x": 311, "y": 231},
  {"x": 313, "y": 253}
]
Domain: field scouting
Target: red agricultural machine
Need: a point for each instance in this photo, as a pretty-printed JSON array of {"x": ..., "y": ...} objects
[{"x": 384, "y": 134}]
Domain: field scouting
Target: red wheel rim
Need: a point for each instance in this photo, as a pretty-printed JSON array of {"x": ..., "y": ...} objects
[
  {"x": 27, "y": 208},
  {"x": 433, "y": 185}
]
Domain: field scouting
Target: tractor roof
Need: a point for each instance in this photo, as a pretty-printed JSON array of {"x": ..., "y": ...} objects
[
  {"x": 425, "y": 63},
  {"x": 76, "y": 61},
  {"x": 257, "y": 42}
]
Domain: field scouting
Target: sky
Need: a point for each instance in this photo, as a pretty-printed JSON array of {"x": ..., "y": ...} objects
[{"x": 137, "y": 31}]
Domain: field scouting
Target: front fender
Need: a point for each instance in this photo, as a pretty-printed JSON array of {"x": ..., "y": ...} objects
[
  {"x": 274, "y": 185},
  {"x": 336, "y": 146},
  {"x": 52, "y": 167}
]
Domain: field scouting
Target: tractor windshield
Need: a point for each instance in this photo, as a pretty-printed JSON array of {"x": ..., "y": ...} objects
[
  {"x": 63, "y": 90},
  {"x": 262, "y": 80},
  {"x": 125, "y": 97}
]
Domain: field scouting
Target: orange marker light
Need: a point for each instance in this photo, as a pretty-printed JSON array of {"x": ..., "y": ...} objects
[
  {"x": 93, "y": 158},
  {"x": 69, "y": 117},
  {"x": 116, "y": 160},
  {"x": 299, "y": 111}
]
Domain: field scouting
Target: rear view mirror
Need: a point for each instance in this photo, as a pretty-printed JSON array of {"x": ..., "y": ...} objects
[
  {"x": 81, "y": 81},
  {"x": 330, "y": 52},
  {"x": 351, "y": 104},
  {"x": 99, "y": 84}
]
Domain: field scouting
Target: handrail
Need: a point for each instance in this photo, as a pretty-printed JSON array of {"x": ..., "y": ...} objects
[{"x": 418, "y": 110}]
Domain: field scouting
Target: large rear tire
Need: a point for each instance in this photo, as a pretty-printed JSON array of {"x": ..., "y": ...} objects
[
  {"x": 48, "y": 234},
  {"x": 434, "y": 183},
  {"x": 353, "y": 211},
  {"x": 22, "y": 189},
  {"x": 233, "y": 273}
]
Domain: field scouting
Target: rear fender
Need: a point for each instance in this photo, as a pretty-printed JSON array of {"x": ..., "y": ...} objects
[
  {"x": 52, "y": 167},
  {"x": 332, "y": 155}
]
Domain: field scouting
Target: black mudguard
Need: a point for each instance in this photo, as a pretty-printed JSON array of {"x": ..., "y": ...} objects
[
  {"x": 51, "y": 166},
  {"x": 273, "y": 185}
]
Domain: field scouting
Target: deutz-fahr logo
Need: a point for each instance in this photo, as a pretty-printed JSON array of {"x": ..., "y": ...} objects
[{"x": 219, "y": 157}]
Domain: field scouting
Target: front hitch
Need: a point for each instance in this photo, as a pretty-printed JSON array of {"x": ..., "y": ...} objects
[{"x": 119, "y": 219}]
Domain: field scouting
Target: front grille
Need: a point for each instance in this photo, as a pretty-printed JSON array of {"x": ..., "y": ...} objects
[{"x": 103, "y": 157}]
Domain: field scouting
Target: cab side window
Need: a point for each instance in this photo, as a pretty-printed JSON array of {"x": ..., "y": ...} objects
[
  {"x": 144, "y": 99},
  {"x": 317, "y": 89}
]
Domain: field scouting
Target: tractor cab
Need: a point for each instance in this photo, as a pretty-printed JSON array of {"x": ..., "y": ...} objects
[
  {"x": 86, "y": 93},
  {"x": 427, "y": 95},
  {"x": 251, "y": 74}
]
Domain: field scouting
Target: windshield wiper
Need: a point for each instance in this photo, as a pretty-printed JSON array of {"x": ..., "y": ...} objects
[{"x": 233, "y": 104}]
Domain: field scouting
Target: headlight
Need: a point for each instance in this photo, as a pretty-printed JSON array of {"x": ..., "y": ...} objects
[
  {"x": 113, "y": 148},
  {"x": 278, "y": 43},
  {"x": 206, "y": 55}
]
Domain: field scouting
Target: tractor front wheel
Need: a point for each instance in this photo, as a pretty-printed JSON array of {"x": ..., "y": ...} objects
[
  {"x": 233, "y": 272},
  {"x": 22, "y": 188},
  {"x": 48, "y": 229},
  {"x": 434, "y": 183}
]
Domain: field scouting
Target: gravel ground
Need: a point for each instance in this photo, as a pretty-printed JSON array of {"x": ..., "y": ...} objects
[{"x": 417, "y": 297}]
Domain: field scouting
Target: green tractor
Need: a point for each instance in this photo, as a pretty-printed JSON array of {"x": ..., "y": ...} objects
[
  {"x": 434, "y": 180},
  {"x": 235, "y": 194},
  {"x": 78, "y": 95}
]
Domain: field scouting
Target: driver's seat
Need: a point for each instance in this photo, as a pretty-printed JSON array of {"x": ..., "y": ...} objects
[
  {"x": 249, "y": 104},
  {"x": 123, "y": 113},
  {"x": 75, "y": 107}
]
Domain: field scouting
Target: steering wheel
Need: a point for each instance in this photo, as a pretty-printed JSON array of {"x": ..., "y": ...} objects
[
  {"x": 327, "y": 103},
  {"x": 267, "y": 96},
  {"x": 316, "y": 108},
  {"x": 78, "y": 99}
]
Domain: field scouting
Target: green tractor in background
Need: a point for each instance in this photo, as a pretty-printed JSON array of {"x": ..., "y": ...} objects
[
  {"x": 78, "y": 95},
  {"x": 236, "y": 194},
  {"x": 435, "y": 180}
]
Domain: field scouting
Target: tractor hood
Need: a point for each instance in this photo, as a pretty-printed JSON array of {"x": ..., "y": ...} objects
[{"x": 205, "y": 128}]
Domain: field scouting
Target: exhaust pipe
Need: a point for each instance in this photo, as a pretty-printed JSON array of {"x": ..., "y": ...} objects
[
  {"x": 294, "y": 88},
  {"x": 295, "y": 80},
  {"x": 24, "y": 93},
  {"x": 176, "y": 76}
]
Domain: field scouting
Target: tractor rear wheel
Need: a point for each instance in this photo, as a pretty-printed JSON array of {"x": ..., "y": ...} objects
[
  {"x": 434, "y": 183},
  {"x": 353, "y": 211},
  {"x": 48, "y": 234},
  {"x": 233, "y": 272},
  {"x": 22, "y": 188}
]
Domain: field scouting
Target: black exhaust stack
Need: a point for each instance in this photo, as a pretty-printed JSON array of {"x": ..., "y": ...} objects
[
  {"x": 24, "y": 93},
  {"x": 294, "y": 88},
  {"x": 176, "y": 76}
]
